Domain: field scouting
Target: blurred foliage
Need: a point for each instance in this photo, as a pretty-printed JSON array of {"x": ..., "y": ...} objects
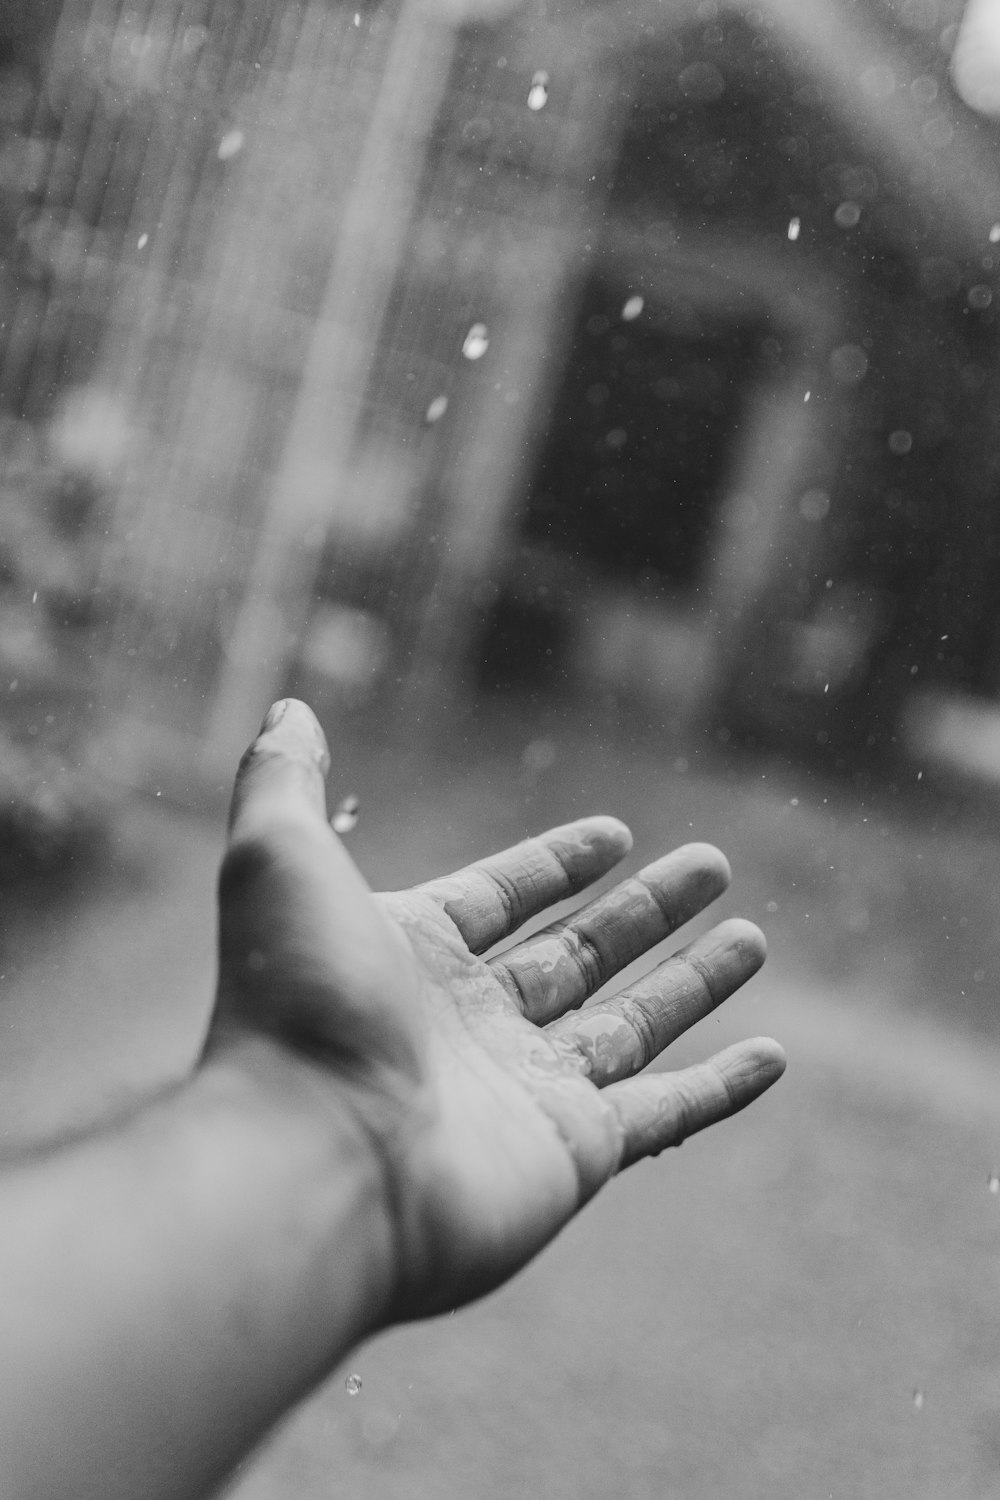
[{"x": 53, "y": 817}]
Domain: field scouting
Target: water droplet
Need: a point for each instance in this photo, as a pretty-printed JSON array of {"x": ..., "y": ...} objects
[
  {"x": 194, "y": 39},
  {"x": 633, "y": 308},
  {"x": 142, "y": 242},
  {"x": 814, "y": 505},
  {"x": 231, "y": 144},
  {"x": 849, "y": 364},
  {"x": 980, "y": 297},
  {"x": 772, "y": 906},
  {"x": 807, "y": 395},
  {"x": 352, "y": 1384},
  {"x": 995, "y": 234},
  {"x": 34, "y": 597},
  {"x": 900, "y": 442},
  {"x": 994, "y": 1183},
  {"x": 345, "y": 816},
  {"x": 794, "y": 228},
  {"x": 437, "y": 409},
  {"x": 918, "y": 1399},
  {"x": 357, "y": 18},
  {"x": 794, "y": 801},
  {"x": 538, "y": 756},
  {"x": 477, "y": 341},
  {"x": 847, "y": 214},
  {"x": 538, "y": 94}
]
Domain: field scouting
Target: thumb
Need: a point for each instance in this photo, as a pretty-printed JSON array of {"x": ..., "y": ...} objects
[{"x": 283, "y": 771}]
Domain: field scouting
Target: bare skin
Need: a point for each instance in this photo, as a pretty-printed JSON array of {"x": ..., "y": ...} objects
[
  {"x": 385, "y": 1122},
  {"x": 494, "y": 1105}
]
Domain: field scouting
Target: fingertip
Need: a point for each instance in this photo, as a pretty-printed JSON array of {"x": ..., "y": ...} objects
[
  {"x": 285, "y": 765},
  {"x": 752, "y": 1066},
  {"x": 747, "y": 938},
  {"x": 711, "y": 860},
  {"x": 608, "y": 833},
  {"x": 291, "y": 725}
]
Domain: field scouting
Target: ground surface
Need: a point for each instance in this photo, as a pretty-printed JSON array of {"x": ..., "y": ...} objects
[{"x": 803, "y": 1304}]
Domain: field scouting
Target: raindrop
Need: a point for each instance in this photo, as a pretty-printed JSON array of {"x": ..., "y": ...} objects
[
  {"x": 807, "y": 395},
  {"x": 794, "y": 801},
  {"x": 34, "y": 597},
  {"x": 924, "y": 89},
  {"x": 633, "y": 308},
  {"x": 357, "y": 18},
  {"x": 849, "y": 364},
  {"x": 901, "y": 441},
  {"x": 994, "y": 1183},
  {"x": 538, "y": 756},
  {"x": 847, "y": 214},
  {"x": 538, "y": 94},
  {"x": 477, "y": 341},
  {"x": 437, "y": 408},
  {"x": 980, "y": 297},
  {"x": 230, "y": 145},
  {"x": 995, "y": 234},
  {"x": 918, "y": 1399},
  {"x": 345, "y": 819},
  {"x": 794, "y": 227},
  {"x": 702, "y": 82},
  {"x": 142, "y": 242},
  {"x": 772, "y": 906},
  {"x": 814, "y": 505},
  {"x": 352, "y": 1384}
]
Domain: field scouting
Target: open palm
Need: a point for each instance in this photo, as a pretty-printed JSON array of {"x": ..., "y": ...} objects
[{"x": 495, "y": 1105}]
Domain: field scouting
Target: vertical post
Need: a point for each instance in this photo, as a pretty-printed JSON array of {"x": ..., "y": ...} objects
[{"x": 317, "y": 448}]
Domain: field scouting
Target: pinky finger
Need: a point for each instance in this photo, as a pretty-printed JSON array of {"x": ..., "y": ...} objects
[{"x": 663, "y": 1109}]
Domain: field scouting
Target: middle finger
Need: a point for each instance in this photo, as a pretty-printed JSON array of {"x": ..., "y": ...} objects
[{"x": 560, "y": 967}]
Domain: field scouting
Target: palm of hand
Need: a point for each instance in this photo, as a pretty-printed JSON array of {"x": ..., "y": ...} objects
[{"x": 496, "y": 1105}]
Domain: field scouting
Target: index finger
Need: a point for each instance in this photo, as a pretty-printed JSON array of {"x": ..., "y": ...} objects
[{"x": 492, "y": 898}]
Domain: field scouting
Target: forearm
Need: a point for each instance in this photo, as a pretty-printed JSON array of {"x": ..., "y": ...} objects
[{"x": 173, "y": 1286}]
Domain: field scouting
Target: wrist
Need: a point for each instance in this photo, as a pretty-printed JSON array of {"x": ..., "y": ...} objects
[{"x": 323, "y": 1175}]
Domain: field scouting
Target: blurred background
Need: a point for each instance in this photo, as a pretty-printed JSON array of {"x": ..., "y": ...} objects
[{"x": 586, "y": 407}]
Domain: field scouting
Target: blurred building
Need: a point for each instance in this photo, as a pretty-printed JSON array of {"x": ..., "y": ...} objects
[{"x": 649, "y": 353}]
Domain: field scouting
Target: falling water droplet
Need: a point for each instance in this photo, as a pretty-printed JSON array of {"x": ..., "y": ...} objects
[
  {"x": 807, "y": 395},
  {"x": 995, "y": 234},
  {"x": 345, "y": 815},
  {"x": 633, "y": 308},
  {"x": 437, "y": 408},
  {"x": 994, "y": 1183},
  {"x": 918, "y": 1399},
  {"x": 230, "y": 145},
  {"x": 477, "y": 341},
  {"x": 352, "y": 1384},
  {"x": 357, "y": 18},
  {"x": 142, "y": 242},
  {"x": 34, "y": 597},
  {"x": 794, "y": 228},
  {"x": 538, "y": 94}
]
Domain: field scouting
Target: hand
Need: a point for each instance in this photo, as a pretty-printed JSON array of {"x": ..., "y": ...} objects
[{"x": 492, "y": 1105}]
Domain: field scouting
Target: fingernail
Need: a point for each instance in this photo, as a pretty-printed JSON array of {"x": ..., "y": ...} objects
[{"x": 274, "y": 715}]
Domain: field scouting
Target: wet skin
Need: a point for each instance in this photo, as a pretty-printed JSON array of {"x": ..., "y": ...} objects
[{"x": 493, "y": 1104}]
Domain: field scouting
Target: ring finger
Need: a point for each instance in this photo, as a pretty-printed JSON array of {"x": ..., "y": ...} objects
[{"x": 560, "y": 967}]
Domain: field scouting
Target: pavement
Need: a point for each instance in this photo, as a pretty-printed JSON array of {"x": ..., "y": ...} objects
[{"x": 802, "y": 1304}]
